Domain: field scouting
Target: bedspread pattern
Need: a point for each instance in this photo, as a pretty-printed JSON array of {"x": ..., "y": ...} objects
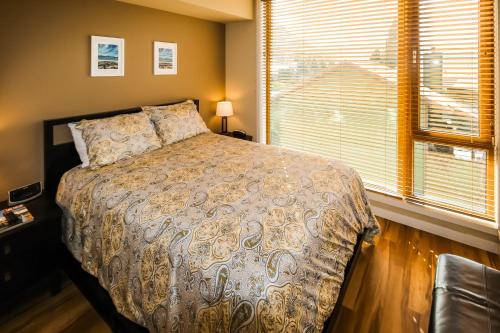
[{"x": 214, "y": 234}]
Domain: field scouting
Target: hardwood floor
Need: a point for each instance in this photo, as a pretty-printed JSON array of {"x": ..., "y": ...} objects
[
  {"x": 391, "y": 286},
  {"x": 390, "y": 290},
  {"x": 66, "y": 312}
]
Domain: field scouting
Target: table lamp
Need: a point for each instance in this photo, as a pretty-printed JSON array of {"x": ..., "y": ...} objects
[{"x": 224, "y": 110}]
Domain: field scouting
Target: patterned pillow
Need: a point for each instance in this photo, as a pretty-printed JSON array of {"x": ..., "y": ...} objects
[
  {"x": 111, "y": 139},
  {"x": 177, "y": 121}
]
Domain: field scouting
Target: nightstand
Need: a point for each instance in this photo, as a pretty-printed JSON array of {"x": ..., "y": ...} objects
[
  {"x": 28, "y": 253},
  {"x": 247, "y": 137}
]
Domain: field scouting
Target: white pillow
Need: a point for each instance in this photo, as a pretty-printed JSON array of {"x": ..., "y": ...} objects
[{"x": 80, "y": 145}]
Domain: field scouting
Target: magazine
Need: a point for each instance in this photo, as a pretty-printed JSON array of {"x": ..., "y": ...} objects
[{"x": 21, "y": 214}]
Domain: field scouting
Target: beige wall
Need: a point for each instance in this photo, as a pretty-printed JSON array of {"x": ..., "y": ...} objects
[
  {"x": 44, "y": 70},
  {"x": 241, "y": 75}
]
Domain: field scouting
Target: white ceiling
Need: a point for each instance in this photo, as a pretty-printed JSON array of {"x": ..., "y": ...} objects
[{"x": 212, "y": 10}]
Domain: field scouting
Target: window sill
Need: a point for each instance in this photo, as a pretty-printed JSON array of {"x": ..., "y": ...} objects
[{"x": 434, "y": 213}]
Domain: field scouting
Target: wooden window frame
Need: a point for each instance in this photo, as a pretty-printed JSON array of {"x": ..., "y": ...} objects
[
  {"x": 267, "y": 52},
  {"x": 409, "y": 130}
]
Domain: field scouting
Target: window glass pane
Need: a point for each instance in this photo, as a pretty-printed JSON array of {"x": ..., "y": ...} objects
[
  {"x": 334, "y": 83},
  {"x": 449, "y": 49},
  {"x": 451, "y": 175}
]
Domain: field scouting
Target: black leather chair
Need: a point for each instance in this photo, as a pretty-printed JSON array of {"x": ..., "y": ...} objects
[{"x": 466, "y": 297}]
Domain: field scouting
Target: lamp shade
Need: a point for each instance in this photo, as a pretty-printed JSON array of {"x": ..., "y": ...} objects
[{"x": 224, "y": 109}]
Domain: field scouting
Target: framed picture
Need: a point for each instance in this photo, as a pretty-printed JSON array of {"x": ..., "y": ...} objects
[
  {"x": 165, "y": 58},
  {"x": 107, "y": 56}
]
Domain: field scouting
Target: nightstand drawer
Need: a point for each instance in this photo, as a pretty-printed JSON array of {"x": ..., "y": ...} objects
[
  {"x": 17, "y": 245},
  {"x": 25, "y": 243},
  {"x": 17, "y": 273}
]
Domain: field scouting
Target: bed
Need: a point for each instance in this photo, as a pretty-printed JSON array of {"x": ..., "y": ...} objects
[{"x": 209, "y": 234}]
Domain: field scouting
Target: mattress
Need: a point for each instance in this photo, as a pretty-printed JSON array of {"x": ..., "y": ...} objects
[{"x": 217, "y": 234}]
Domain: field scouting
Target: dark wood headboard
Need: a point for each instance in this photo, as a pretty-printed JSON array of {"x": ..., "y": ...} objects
[{"x": 59, "y": 158}]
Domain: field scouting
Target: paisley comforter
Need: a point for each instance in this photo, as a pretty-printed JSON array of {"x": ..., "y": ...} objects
[{"x": 215, "y": 234}]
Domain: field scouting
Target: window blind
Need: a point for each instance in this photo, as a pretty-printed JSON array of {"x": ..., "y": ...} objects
[
  {"x": 400, "y": 90},
  {"x": 333, "y": 82}
]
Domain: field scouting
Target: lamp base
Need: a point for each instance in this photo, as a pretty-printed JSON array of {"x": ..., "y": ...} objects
[{"x": 224, "y": 125}]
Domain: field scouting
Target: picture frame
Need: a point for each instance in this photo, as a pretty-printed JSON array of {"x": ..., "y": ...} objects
[
  {"x": 164, "y": 58},
  {"x": 107, "y": 56}
]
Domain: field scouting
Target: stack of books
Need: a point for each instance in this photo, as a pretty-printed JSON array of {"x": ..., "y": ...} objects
[{"x": 13, "y": 217}]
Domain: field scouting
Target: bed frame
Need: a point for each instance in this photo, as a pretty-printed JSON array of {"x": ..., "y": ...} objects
[{"x": 61, "y": 157}]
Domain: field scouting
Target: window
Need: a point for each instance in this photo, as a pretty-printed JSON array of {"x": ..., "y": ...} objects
[{"x": 401, "y": 90}]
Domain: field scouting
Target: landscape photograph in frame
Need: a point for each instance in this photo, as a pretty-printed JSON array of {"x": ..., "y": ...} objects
[
  {"x": 107, "y": 56},
  {"x": 165, "y": 58}
]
